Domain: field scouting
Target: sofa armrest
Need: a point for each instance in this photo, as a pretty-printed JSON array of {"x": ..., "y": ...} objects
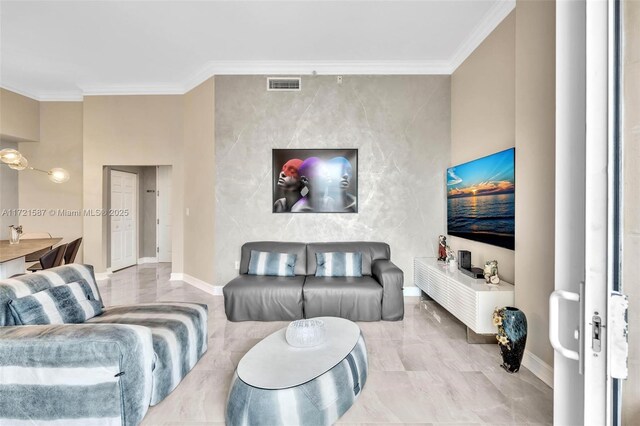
[
  {"x": 76, "y": 371},
  {"x": 391, "y": 278}
]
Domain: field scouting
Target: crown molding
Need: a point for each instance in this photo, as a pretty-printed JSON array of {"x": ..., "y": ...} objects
[
  {"x": 417, "y": 67},
  {"x": 491, "y": 20},
  {"x": 21, "y": 92},
  {"x": 46, "y": 96},
  {"x": 121, "y": 90},
  {"x": 61, "y": 97}
]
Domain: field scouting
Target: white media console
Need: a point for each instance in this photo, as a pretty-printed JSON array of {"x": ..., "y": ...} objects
[{"x": 470, "y": 300}]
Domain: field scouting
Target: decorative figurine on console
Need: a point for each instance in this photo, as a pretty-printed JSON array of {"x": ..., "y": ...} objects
[
  {"x": 442, "y": 248},
  {"x": 491, "y": 272},
  {"x": 451, "y": 258}
]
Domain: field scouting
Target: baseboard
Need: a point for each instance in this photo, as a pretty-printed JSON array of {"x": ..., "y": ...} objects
[
  {"x": 538, "y": 367},
  {"x": 147, "y": 260},
  {"x": 102, "y": 276},
  {"x": 215, "y": 290},
  {"x": 411, "y": 292}
]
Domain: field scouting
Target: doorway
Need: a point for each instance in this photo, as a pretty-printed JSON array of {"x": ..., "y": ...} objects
[{"x": 143, "y": 234}]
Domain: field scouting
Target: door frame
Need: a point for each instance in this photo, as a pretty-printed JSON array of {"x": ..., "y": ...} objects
[
  {"x": 583, "y": 391},
  {"x": 159, "y": 220}
]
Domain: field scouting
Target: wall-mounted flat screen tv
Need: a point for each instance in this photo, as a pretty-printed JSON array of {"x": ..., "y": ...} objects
[{"x": 481, "y": 202}]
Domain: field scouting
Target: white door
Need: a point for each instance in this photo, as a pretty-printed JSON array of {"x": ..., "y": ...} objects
[
  {"x": 581, "y": 329},
  {"x": 124, "y": 219},
  {"x": 163, "y": 209}
]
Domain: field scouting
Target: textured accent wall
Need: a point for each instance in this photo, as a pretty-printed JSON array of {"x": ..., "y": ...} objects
[{"x": 401, "y": 126}]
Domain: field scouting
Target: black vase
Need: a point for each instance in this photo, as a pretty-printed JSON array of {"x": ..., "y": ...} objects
[{"x": 515, "y": 328}]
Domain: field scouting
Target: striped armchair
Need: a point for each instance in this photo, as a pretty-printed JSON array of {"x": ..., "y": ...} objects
[{"x": 105, "y": 371}]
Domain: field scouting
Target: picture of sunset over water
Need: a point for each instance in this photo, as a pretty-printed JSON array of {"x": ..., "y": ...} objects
[{"x": 481, "y": 199}]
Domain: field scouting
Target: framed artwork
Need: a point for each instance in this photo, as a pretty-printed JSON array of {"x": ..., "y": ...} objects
[{"x": 315, "y": 180}]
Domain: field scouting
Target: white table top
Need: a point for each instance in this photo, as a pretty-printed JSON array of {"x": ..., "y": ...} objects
[
  {"x": 274, "y": 364},
  {"x": 476, "y": 284}
]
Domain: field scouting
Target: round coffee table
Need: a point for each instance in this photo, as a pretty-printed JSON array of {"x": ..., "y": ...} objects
[{"x": 278, "y": 384}]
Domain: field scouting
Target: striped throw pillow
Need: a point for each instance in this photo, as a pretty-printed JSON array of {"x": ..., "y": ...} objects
[
  {"x": 271, "y": 263},
  {"x": 71, "y": 303},
  {"x": 339, "y": 264}
]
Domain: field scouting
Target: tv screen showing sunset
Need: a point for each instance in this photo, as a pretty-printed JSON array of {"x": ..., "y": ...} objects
[{"x": 481, "y": 199}]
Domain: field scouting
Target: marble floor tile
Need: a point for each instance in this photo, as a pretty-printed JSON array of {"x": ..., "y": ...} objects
[{"x": 421, "y": 369}]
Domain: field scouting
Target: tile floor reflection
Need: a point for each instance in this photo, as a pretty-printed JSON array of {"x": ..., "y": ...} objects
[{"x": 421, "y": 369}]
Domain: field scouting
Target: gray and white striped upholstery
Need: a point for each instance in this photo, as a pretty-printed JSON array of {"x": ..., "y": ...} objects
[
  {"x": 320, "y": 401},
  {"x": 25, "y": 285},
  {"x": 106, "y": 371},
  {"x": 179, "y": 338},
  {"x": 66, "y": 374},
  {"x": 272, "y": 263},
  {"x": 339, "y": 264},
  {"x": 71, "y": 303}
]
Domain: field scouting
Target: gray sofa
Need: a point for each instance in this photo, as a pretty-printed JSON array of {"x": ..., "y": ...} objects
[
  {"x": 105, "y": 371},
  {"x": 377, "y": 295}
]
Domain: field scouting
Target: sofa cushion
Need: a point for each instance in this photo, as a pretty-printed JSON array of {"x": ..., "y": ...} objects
[
  {"x": 356, "y": 299},
  {"x": 370, "y": 251},
  {"x": 299, "y": 249},
  {"x": 272, "y": 263},
  {"x": 263, "y": 298},
  {"x": 24, "y": 285},
  {"x": 71, "y": 303},
  {"x": 339, "y": 264},
  {"x": 179, "y": 332}
]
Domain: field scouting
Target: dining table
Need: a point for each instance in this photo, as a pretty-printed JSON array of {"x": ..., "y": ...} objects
[{"x": 13, "y": 256}]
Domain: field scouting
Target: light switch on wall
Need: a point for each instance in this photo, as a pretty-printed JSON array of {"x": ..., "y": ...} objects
[
  {"x": 236, "y": 265},
  {"x": 187, "y": 211}
]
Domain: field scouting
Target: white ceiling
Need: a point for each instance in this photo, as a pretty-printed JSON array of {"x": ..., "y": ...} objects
[{"x": 62, "y": 50}]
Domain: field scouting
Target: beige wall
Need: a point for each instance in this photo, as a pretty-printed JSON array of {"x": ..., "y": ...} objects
[
  {"x": 535, "y": 169},
  {"x": 483, "y": 120},
  {"x": 60, "y": 146},
  {"x": 504, "y": 95},
  {"x": 631, "y": 226},
  {"x": 130, "y": 130},
  {"x": 199, "y": 181},
  {"x": 19, "y": 117},
  {"x": 8, "y": 194}
]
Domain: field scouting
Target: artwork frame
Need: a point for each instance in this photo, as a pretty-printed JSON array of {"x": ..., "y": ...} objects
[
  {"x": 481, "y": 199},
  {"x": 333, "y": 172}
]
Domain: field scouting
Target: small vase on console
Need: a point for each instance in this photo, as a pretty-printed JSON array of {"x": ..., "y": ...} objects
[{"x": 512, "y": 336}]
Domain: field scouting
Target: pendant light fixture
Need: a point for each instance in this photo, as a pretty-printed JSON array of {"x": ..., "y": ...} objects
[{"x": 15, "y": 160}]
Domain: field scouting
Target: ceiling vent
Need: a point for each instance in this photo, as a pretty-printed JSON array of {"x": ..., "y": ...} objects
[{"x": 284, "y": 84}]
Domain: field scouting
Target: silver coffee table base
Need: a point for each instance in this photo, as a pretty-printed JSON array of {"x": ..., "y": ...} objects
[{"x": 318, "y": 400}]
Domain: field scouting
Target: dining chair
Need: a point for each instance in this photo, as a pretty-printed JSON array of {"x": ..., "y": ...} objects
[
  {"x": 50, "y": 259},
  {"x": 35, "y": 256},
  {"x": 72, "y": 251}
]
